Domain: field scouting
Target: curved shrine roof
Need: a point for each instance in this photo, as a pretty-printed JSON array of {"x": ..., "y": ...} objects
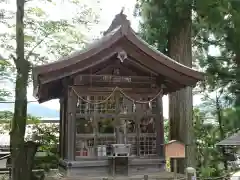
[
  {"x": 119, "y": 36},
  {"x": 233, "y": 140}
]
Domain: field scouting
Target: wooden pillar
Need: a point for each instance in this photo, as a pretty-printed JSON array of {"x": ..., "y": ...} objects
[
  {"x": 95, "y": 127},
  {"x": 138, "y": 117},
  {"x": 159, "y": 127},
  {"x": 62, "y": 130},
  {"x": 71, "y": 125},
  {"x": 137, "y": 123},
  {"x": 117, "y": 118}
]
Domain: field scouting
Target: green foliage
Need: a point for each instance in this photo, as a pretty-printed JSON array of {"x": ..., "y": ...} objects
[
  {"x": 4, "y": 177},
  {"x": 220, "y": 28},
  {"x": 46, "y": 39},
  {"x": 4, "y": 74},
  {"x": 47, "y": 135},
  {"x": 216, "y": 24},
  {"x": 155, "y": 24},
  {"x": 6, "y": 115},
  {"x": 48, "y": 138},
  {"x": 5, "y": 120},
  {"x": 166, "y": 130},
  {"x": 207, "y": 132},
  {"x": 207, "y": 136},
  {"x": 214, "y": 120}
]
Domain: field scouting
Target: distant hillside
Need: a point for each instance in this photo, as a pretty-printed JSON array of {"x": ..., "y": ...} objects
[{"x": 34, "y": 109}]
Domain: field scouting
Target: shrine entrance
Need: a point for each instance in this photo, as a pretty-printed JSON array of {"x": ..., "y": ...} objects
[{"x": 115, "y": 118}]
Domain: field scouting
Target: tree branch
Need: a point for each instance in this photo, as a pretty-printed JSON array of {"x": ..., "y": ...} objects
[
  {"x": 27, "y": 1},
  {"x": 36, "y": 45},
  {"x": 14, "y": 59}
]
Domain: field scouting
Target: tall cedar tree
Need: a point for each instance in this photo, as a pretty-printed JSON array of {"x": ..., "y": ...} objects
[
  {"x": 215, "y": 23},
  {"x": 175, "y": 34}
]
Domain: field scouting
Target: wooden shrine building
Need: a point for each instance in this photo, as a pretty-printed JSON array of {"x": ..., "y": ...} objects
[
  {"x": 111, "y": 120},
  {"x": 233, "y": 140}
]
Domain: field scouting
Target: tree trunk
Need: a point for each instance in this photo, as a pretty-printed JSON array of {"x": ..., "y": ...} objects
[
  {"x": 221, "y": 130},
  {"x": 180, "y": 103},
  {"x": 237, "y": 87},
  {"x": 22, "y": 153}
]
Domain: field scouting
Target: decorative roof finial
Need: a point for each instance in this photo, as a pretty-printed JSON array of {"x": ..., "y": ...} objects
[
  {"x": 123, "y": 8},
  {"x": 119, "y": 20}
]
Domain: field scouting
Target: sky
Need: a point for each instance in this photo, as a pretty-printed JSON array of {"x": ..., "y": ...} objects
[{"x": 107, "y": 10}]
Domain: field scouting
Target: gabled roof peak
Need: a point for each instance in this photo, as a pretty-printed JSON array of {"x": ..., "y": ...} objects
[{"x": 119, "y": 20}]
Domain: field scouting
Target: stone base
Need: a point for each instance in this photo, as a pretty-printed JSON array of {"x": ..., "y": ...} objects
[
  {"x": 91, "y": 168},
  {"x": 145, "y": 166},
  {"x": 151, "y": 176},
  {"x": 100, "y": 168}
]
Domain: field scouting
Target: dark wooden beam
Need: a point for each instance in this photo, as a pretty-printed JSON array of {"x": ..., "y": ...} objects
[
  {"x": 109, "y": 78},
  {"x": 159, "y": 126},
  {"x": 65, "y": 137},
  {"x": 71, "y": 125},
  {"x": 61, "y": 130},
  {"x": 111, "y": 115},
  {"x": 133, "y": 92},
  {"x": 115, "y": 81}
]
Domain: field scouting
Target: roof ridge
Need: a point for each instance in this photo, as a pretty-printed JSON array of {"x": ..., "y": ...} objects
[{"x": 119, "y": 20}]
